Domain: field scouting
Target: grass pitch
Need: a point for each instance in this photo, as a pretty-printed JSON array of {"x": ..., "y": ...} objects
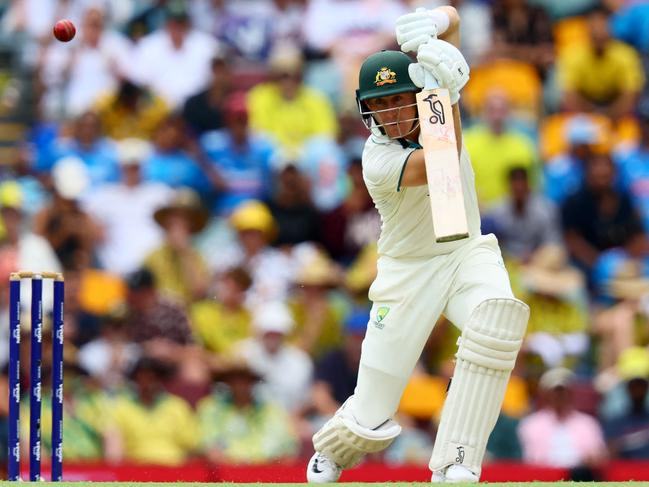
[{"x": 340, "y": 484}]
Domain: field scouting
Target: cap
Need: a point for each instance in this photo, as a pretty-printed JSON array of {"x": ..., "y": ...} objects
[
  {"x": 557, "y": 377},
  {"x": 11, "y": 195},
  {"x": 581, "y": 129},
  {"x": 70, "y": 177},
  {"x": 133, "y": 151},
  {"x": 633, "y": 363},
  {"x": 273, "y": 317}
]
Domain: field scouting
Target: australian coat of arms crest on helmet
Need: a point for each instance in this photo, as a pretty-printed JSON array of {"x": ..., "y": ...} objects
[{"x": 385, "y": 76}]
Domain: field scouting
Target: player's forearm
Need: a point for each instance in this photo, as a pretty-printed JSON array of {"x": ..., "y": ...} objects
[{"x": 452, "y": 32}]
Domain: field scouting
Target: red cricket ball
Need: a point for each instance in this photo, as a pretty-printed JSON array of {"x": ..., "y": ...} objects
[{"x": 64, "y": 30}]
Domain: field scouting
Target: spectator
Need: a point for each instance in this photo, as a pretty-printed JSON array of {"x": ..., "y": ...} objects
[
  {"x": 173, "y": 160},
  {"x": 296, "y": 217},
  {"x": 150, "y": 425},
  {"x": 71, "y": 232},
  {"x": 161, "y": 328},
  {"x": 628, "y": 433},
  {"x": 287, "y": 110},
  {"x": 556, "y": 294},
  {"x": 179, "y": 269},
  {"x": 203, "y": 111},
  {"x": 250, "y": 30},
  {"x": 336, "y": 371},
  {"x": 285, "y": 370},
  {"x": 152, "y": 317},
  {"x": 20, "y": 248},
  {"x": 110, "y": 357},
  {"x": 629, "y": 24},
  {"x": 239, "y": 427},
  {"x": 564, "y": 174},
  {"x": 621, "y": 284},
  {"x": 131, "y": 111},
  {"x": 604, "y": 75},
  {"x": 597, "y": 217},
  {"x": 558, "y": 435},
  {"x": 318, "y": 321},
  {"x": 522, "y": 31},
  {"x": 354, "y": 224},
  {"x": 525, "y": 220},
  {"x": 88, "y": 143},
  {"x": 634, "y": 166},
  {"x": 164, "y": 58},
  {"x": 271, "y": 270},
  {"x": 239, "y": 162},
  {"x": 122, "y": 207},
  {"x": 78, "y": 73},
  {"x": 220, "y": 322},
  {"x": 495, "y": 149}
]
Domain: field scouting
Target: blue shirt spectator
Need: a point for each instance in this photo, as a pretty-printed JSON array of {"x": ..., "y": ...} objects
[
  {"x": 631, "y": 25},
  {"x": 171, "y": 163},
  {"x": 244, "y": 168},
  {"x": 564, "y": 174},
  {"x": 241, "y": 161},
  {"x": 88, "y": 144}
]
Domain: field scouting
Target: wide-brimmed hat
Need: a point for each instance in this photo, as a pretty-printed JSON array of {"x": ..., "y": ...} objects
[
  {"x": 557, "y": 377},
  {"x": 286, "y": 58},
  {"x": 254, "y": 215},
  {"x": 318, "y": 270},
  {"x": 236, "y": 366},
  {"x": 549, "y": 273},
  {"x": 187, "y": 202}
]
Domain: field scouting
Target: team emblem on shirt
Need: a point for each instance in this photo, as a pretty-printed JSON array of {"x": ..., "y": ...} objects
[
  {"x": 381, "y": 313},
  {"x": 385, "y": 77}
]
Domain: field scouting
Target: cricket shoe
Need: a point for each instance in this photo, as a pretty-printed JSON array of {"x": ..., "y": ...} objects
[
  {"x": 454, "y": 474},
  {"x": 322, "y": 470}
]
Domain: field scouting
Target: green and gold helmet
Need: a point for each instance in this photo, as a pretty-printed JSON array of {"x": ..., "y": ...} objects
[{"x": 383, "y": 73}]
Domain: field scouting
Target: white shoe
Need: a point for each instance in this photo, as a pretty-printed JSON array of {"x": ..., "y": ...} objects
[
  {"x": 322, "y": 470},
  {"x": 454, "y": 474}
]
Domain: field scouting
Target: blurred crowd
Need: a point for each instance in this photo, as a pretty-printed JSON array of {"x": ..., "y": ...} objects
[{"x": 194, "y": 170}]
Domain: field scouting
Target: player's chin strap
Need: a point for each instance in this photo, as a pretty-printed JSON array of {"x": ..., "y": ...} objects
[
  {"x": 486, "y": 356},
  {"x": 345, "y": 441}
]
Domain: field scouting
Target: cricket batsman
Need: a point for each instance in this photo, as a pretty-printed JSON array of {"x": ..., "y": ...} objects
[{"x": 419, "y": 279}]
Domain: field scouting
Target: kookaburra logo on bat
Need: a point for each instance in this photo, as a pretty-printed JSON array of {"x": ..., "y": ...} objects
[{"x": 437, "y": 108}]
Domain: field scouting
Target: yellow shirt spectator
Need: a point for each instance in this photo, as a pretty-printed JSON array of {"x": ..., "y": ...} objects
[
  {"x": 217, "y": 327},
  {"x": 139, "y": 120},
  {"x": 164, "y": 433},
  {"x": 290, "y": 122},
  {"x": 600, "y": 79},
  {"x": 492, "y": 156}
]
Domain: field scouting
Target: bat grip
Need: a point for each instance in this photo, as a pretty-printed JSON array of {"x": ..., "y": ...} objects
[{"x": 430, "y": 82}]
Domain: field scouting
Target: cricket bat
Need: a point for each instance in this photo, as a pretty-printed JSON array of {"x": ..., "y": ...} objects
[{"x": 442, "y": 162}]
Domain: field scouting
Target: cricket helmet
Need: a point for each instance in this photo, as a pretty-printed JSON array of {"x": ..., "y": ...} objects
[{"x": 383, "y": 73}]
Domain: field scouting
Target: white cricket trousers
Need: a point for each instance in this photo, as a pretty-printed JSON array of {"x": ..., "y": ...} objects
[{"x": 408, "y": 296}]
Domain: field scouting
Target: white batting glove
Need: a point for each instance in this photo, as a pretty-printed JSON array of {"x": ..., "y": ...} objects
[
  {"x": 447, "y": 65},
  {"x": 416, "y": 28}
]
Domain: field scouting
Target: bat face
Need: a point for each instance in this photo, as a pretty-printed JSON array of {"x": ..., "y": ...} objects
[{"x": 442, "y": 165}]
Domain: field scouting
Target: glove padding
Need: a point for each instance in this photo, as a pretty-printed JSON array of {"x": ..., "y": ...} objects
[
  {"x": 445, "y": 63},
  {"x": 415, "y": 29}
]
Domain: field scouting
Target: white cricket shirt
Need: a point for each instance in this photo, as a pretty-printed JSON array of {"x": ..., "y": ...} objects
[{"x": 407, "y": 223}]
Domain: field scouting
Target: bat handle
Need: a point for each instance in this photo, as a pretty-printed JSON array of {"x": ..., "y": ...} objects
[{"x": 430, "y": 82}]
